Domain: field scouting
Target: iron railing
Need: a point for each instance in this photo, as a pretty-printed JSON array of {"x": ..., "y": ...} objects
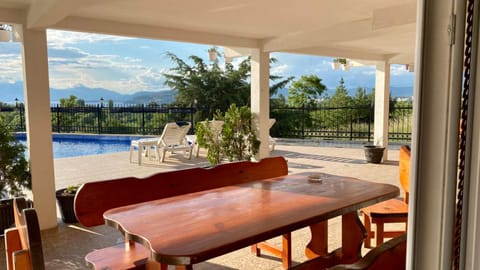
[{"x": 352, "y": 123}]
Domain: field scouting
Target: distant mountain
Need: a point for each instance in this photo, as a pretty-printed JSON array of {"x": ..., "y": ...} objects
[
  {"x": 9, "y": 92},
  {"x": 144, "y": 97}
]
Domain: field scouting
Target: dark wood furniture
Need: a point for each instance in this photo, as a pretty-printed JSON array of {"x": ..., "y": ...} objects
[
  {"x": 93, "y": 199},
  {"x": 390, "y": 255},
  {"x": 187, "y": 229},
  {"x": 391, "y": 211},
  {"x": 23, "y": 243}
]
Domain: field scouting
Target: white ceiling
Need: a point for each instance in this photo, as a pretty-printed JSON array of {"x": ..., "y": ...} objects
[{"x": 366, "y": 29}]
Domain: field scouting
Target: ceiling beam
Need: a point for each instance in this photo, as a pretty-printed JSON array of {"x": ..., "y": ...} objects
[
  {"x": 352, "y": 53},
  {"x": 394, "y": 16},
  {"x": 44, "y": 13},
  {"x": 12, "y": 15},
  {"x": 383, "y": 21},
  {"x": 152, "y": 32},
  {"x": 304, "y": 39},
  {"x": 348, "y": 32}
]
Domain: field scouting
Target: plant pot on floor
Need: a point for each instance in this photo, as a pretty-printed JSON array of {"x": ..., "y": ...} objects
[
  {"x": 6, "y": 215},
  {"x": 373, "y": 153},
  {"x": 65, "y": 203},
  {"x": 7, "y": 219}
]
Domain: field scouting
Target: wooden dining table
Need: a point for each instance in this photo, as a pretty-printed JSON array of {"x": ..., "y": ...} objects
[{"x": 188, "y": 229}]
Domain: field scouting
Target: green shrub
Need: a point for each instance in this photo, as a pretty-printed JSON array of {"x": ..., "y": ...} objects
[{"x": 14, "y": 168}]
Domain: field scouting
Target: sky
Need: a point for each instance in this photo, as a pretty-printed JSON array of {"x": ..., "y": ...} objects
[{"x": 128, "y": 65}]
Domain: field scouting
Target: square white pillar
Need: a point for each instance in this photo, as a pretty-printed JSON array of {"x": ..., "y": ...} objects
[
  {"x": 260, "y": 97},
  {"x": 382, "y": 100},
  {"x": 39, "y": 127}
]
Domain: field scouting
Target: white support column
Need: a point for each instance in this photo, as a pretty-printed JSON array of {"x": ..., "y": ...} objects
[
  {"x": 382, "y": 99},
  {"x": 260, "y": 97},
  {"x": 38, "y": 123}
]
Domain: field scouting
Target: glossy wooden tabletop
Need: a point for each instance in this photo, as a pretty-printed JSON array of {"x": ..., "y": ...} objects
[{"x": 192, "y": 228}]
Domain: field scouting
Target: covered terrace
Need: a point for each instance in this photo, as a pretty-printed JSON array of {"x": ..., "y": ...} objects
[{"x": 423, "y": 33}]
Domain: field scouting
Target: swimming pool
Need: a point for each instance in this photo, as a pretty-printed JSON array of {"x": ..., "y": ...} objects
[{"x": 73, "y": 145}]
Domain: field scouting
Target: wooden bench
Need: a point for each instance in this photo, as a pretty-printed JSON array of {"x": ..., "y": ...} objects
[
  {"x": 389, "y": 255},
  {"x": 93, "y": 199},
  {"x": 23, "y": 243}
]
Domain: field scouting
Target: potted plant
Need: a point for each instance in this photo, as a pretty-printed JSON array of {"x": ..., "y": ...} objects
[
  {"x": 209, "y": 137},
  {"x": 65, "y": 199},
  {"x": 337, "y": 62},
  {"x": 212, "y": 54},
  {"x": 15, "y": 175},
  {"x": 237, "y": 140},
  {"x": 373, "y": 153}
]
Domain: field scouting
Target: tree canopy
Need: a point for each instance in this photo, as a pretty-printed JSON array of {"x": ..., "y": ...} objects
[
  {"x": 305, "y": 91},
  {"x": 211, "y": 86},
  {"x": 72, "y": 101},
  {"x": 340, "y": 98}
]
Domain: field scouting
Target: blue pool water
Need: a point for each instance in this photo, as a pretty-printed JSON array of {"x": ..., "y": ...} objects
[{"x": 68, "y": 145}]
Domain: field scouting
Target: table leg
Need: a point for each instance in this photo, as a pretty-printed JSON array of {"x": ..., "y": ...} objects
[
  {"x": 353, "y": 234},
  {"x": 286, "y": 250},
  {"x": 152, "y": 265},
  {"x": 318, "y": 246}
]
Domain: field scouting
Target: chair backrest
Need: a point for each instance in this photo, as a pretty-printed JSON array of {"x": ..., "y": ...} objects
[
  {"x": 404, "y": 169},
  {"x": 24, "y": 242},
  {"x": 174, "y": 134},
  {"x": 216, "y": 126},
  {"x": 271, "y": 122}
]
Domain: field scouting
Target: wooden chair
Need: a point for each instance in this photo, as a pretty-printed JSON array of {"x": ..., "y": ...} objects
[
  {"x": 23, "y": 244},
  {"x": 391, "y": 211},
  {"x": 390, "y": 255}
]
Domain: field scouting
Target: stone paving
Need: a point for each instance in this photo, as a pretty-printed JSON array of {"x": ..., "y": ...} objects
[{"x": 66, "y": 245}]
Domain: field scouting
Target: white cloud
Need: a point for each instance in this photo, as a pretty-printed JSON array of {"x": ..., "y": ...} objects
[
  {"x": 279, "y": 69},
  {"x": 114, "y": 72},
  {"x": 368, "y": 72},
  {"x": 58, "y": 39},
  {"x": 398, "y": 70},
  {"x": 11, "y": 68}
]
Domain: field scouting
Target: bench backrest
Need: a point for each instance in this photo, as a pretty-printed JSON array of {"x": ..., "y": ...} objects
[
  {"x": 93, "y": 199},
  {"x": 23, "y": 243}
]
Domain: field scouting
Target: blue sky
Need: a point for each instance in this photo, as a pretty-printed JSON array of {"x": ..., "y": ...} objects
[{"x": 127, "y": 65}]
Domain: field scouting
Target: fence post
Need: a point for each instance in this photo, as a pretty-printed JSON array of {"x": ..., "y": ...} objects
[
  {"x": 192, "y": 112},
  {"x": 143, "y": 119},
  {"x": 370, "y": 120},
  {"x": 351, "y": 125},
  {"x": 22, "y": 121},
  {"x": 303, "y": 121},
  {"x": 99, "y": 110},
  {"x": 58, "y": 118}
]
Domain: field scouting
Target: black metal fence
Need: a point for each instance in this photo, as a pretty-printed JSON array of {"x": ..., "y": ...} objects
[
  {"x": 352, "y": 123},
  {"x": 325, "y": 123}
]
